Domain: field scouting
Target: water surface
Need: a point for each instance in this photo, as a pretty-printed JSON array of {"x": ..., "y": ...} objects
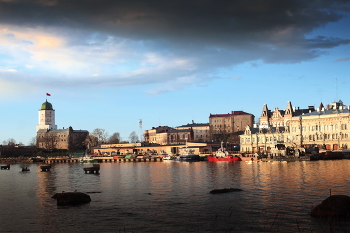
[{"x": 174, "y": 197}]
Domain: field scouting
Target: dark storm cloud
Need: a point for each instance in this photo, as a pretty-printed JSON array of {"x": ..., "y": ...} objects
[{"x": 211, "y": 33}]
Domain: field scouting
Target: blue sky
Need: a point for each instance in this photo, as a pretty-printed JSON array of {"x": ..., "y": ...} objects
[{"x": 168, "y": 63}]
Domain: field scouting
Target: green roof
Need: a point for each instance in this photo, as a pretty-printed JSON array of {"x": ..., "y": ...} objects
[{"x": 46, "y": 106}]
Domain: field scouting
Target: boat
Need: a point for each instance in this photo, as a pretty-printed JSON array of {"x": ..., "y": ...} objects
[
  {"x": 223, "y": 155},
  {"x": 88, "y": 159},
  {"x": 170, "y": 157},
  {"x": 249, "y": 157},
  {"x": 188, "y": 155},
  {"x": 327, "y": 155}
]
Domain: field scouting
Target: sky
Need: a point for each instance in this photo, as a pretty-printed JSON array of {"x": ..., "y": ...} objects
[{"x": 109, "y": 63}]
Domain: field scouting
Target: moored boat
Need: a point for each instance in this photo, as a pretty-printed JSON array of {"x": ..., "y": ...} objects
[
  {"x": 188, "y": 155},
  {"x": 226, "y": 158},
  {"x": 88, "y": 159},
  {"x": 250, "y": 157},
  {"x": 223, "y": 155}
]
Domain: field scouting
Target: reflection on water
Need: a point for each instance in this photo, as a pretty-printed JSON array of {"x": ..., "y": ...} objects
[{"x": 174, "y": 197}]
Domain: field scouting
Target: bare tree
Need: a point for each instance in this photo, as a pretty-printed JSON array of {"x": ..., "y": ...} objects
[
  {"x": 32, "y": 141},
  {"x": 101, "y": 135},
  {"x": 11, "y": 142},
  {"x": 49, "y": 141},
  {"x": 90, "y": 141},
  {"x": 133, "y": 137},
  {"x": 114, "y": 139},
  {"x": 77, "y": 141}
]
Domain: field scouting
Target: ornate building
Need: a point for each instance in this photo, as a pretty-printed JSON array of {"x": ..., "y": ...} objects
[
  {"x": 327, "y": 128},
  {"x": 48, "y": 137}
]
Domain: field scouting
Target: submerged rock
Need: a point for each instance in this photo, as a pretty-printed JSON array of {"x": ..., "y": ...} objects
[
  {"x": 225, "y": 190},
  {"x": 333, "y": 206},
  {"x": 72, "y": 198}
]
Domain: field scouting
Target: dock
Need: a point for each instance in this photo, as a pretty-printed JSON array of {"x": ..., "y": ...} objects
[
  {"x": 102, "y": 160},
  {"x": 45, "y": 168},
  {"x": 286, "y": 158}
]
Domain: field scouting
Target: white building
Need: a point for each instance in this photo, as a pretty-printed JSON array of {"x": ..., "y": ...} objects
[{"x": 46, "y": 117}]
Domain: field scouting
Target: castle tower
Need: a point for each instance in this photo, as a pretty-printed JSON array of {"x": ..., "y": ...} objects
[{"x": 46, "y": 117}]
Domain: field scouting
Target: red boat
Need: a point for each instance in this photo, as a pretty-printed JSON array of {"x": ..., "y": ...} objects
[
  {"x": 226, "y": 158},
  {"x": 223, "y": 155}
]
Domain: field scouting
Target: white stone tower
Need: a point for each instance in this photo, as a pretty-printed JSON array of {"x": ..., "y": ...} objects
[{"x": 46, "y": 117}]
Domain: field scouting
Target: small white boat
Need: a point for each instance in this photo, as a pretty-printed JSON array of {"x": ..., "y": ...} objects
[{"x": 88, "y": 159}]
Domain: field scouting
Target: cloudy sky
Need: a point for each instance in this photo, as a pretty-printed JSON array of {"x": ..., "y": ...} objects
[{"x": 109, "y": 63}]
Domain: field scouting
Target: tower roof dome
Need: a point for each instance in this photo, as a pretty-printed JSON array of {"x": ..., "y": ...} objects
[{"x": 46, "y": 106}]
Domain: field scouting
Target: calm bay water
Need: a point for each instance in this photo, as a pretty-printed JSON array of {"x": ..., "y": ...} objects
[{"x": 174, "y": 197}]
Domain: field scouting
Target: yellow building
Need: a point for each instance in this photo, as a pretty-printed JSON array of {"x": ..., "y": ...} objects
[{"x": 326, "y": 128}]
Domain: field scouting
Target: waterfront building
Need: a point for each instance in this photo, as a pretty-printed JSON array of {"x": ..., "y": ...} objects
[
  {"x": 326, "y": 128},
  {"x": 227, "y": 127},
  {"x": 179, "y": 136},
  {"x": 153, "y": 149},
  {"x": 49, "y": 137},
  {"x": 164, "y": 135},
  {"x": 151, "y": 135},
  {"x": 200, "y": 131}
]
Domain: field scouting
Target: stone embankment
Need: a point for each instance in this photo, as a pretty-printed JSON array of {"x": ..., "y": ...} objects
[{"x": 78, "y": 160}]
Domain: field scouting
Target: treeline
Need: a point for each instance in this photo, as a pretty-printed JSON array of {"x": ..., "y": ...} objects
[{"x": 96, "y": 137}]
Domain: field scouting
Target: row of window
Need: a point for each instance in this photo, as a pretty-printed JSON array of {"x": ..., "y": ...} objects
[
  {"x": 320, "y": 128},
  {"x": 296, "y": 138},
  {"x": 219, "y": 126},
  {"x": 220, "y": 120}
]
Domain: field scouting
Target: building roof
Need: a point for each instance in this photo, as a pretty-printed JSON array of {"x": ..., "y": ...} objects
[
  {"x": 195, "y": 125},
  {"x": 240, "y": 113},
  {"x": 46, "y": 106},
  {"x": 327, "y": 112},
  {"x": 61, "y": 131},
  {"x": 230, "y": 114},
  {"x": 220, "y": 115},
  {"x": 179, "y": 130},
  {"x": 254, "y": 130}
]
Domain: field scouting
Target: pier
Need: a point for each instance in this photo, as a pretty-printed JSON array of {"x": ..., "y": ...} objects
[
  {"x": 45, "y": 168},
  {"x": 286, "y": 158},
  {"x": 6, "y": 167},
  {"x": 103, "y": 160},
  {"x": 95, "y": 169}
]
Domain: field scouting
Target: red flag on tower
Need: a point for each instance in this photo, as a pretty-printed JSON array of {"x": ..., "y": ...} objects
[{"x": 47, "y": 94}]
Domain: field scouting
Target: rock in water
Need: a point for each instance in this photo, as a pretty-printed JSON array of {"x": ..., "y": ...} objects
[
  {"x": 71, "y": 198},
  {"x": 334, "y": 206},
  {"x": 224, "y": 190}
]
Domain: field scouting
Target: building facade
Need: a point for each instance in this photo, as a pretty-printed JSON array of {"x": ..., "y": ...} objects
[
  {"x": 326, "y": 128},
  {"x": 48, "y": 137},
  {"x": 227, "y": 127},
  {"x": 151, "y": 135},
  {"x": 200, "y": 131},
  {"x": 63, "y": 139}
]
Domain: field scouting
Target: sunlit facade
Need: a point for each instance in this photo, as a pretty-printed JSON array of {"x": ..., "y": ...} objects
[{"x": 326, "y": 128}]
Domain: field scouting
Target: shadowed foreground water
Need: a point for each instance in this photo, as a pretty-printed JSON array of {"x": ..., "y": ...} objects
[{"x": 174, "y": 197}]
